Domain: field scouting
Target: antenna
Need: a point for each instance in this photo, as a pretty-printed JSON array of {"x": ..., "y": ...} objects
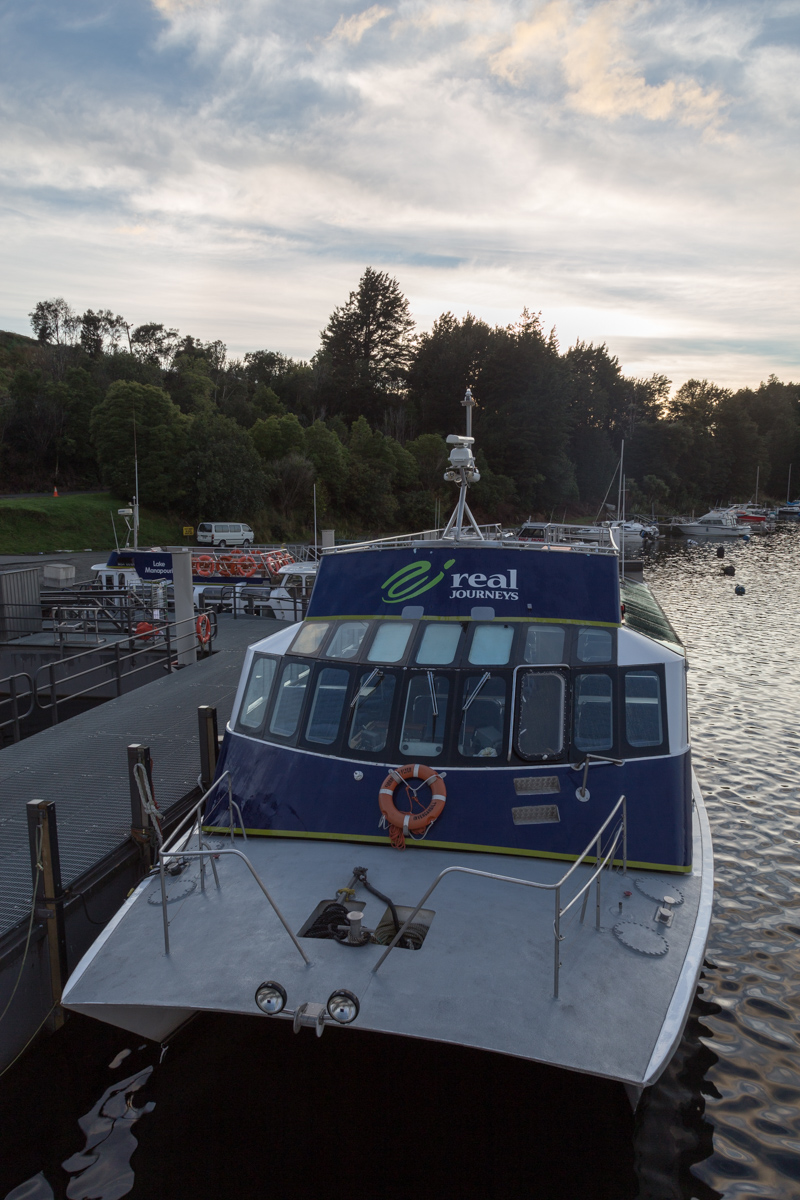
[{"x": 462, "y": 471}]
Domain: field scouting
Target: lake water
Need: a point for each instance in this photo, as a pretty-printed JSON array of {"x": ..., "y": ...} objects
[{"x": 238, "y": 1108}]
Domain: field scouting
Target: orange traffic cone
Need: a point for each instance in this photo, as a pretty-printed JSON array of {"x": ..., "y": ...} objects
[{"x": 55, "y": 492}]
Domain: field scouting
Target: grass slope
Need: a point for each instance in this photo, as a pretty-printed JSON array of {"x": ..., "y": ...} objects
[{"x": 45, "y": 523}]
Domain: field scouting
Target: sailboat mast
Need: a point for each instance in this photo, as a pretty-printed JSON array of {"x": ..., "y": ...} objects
[{"x": 619, "y": 489}]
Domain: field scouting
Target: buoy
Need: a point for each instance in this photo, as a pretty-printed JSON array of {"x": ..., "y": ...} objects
[
  {"x": 720, "y": 551},
  {"x": 729, "y": 569},
  {"x": 745, "y": 537},
  {"x": 55, "y": 493},
  {"x": 739, "y": 589}
]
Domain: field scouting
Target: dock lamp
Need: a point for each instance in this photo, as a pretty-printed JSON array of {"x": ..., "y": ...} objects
[{"x": 271, "y": 998}]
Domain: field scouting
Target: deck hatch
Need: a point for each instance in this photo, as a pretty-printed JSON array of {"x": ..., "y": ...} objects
[
  {"x": 536, "y": 814},
  {"x": 536, "y": 785}
]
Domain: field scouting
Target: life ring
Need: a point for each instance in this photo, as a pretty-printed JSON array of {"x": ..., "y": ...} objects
[
  {"x": 246, "y": 566},
  {"x": 272, "y": 563},
  {"x": 203, "y": 629},
  {"x": 401, "y": 823},
  {"x": 203, "y": 564}
]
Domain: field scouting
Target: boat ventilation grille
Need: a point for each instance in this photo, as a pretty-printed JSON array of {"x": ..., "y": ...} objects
[
  {"x": 536, "y": 814},
  {"x": 536, "y": 785}
]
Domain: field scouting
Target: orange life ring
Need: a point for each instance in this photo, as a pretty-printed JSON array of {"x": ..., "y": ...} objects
[
  {"x": 203, "y": 564},
  {"x": 203, "y": 629},
  {"x": 401, "y": 823},
  {"x": 272, "y": 564},
  {"x": 246, "y": 566}
]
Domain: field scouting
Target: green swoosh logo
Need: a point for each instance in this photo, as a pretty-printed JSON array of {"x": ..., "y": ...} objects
[{"x": 411, "y": 581}]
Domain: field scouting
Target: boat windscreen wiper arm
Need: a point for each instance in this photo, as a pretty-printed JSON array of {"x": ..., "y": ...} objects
[
  {"x": 377, "y": 674},
  {"x": 434, "y": 705},
  {"x": 486, "y": 675}
]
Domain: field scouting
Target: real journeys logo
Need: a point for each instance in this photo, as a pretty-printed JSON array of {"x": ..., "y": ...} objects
[{"x": 412, "y": 580}]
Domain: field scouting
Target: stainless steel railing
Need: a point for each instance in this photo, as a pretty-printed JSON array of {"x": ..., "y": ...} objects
[
  {"x": 169, "y": 850},
  {"x": 620, "y": 834}
]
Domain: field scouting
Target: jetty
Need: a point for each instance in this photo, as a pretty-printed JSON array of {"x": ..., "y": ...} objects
[{"x": 71, "y": 791}]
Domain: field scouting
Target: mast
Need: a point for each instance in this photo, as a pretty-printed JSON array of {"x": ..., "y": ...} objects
[
  {"x": 789, "y": 484},
  {"x": 619, "y": 489},
  {"x": 462, "y": 471}
]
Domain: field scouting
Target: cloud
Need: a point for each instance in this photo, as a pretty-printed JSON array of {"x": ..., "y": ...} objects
[
  {"x": 352, "y": 29},
  {"x": 561, "y": 154},
  {"x": 601, "y": 77}
]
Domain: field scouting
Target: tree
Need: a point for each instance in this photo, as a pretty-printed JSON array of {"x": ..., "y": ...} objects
[
  {"x": 278, "y": 436},
  {"x": 221, "y": 474},
  {"x": 290, "y": 482},
  {"x": 154, "y": 343},
  {"x": 330, "y": 459},
  {"x": 448, "y": 360},
  {"x": 54, "y": 321},
  {"x": 369, "y": 346},
  {"x": 144, "y": 416}
]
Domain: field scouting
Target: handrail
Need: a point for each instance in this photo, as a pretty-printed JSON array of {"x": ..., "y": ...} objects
[
  {"x": 581, "y": 792},
  {"x": 13, "y": 699},
  {"x": 545, "y": 887},
  {"x": 112, "y": 667},
  {"x": 166, "y": 852}
]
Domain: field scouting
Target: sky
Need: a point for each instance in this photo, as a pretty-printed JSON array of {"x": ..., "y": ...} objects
[{"x": 628, "y": 168}]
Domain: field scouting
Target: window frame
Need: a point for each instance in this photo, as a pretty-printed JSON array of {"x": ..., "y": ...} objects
[
  {"x": 627, "y": 750},
  {"x": 258, "y": 731},
  {"x": 612, "y": 671},
  {"x": 564, "y": 672},
  {"x": 334, "y": 747},
  {"x": 462, "y": 676},
  {"x": 415, "y": 672},
  {"x": 371, "y": 634},
  {"x": 350, "y": 752},
  {"x": 292, "y": 739}
]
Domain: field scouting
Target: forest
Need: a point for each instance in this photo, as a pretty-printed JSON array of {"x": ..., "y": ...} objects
[{"x": 364, "y": 421}]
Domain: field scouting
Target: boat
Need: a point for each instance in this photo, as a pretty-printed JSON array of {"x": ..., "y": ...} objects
[
  {"x": 720, "y": 522},
  {"x": 267, "y": 581},
  {"x": 454, "y": 803}
]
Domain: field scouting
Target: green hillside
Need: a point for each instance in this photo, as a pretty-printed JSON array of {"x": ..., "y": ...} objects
[{"x": 50, "y": 523}]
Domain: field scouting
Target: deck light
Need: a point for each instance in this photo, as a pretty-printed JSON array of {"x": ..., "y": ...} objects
[
  {"x": 271, "y": 997},
  {"x": 343, "y": 1007}
]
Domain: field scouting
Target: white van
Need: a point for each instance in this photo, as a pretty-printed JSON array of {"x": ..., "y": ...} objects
[{"x": 219, "y": 533}]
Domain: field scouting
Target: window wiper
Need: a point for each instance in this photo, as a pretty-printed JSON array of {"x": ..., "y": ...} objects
[
  {"x": 486, "y": 675},
  {"x": 434, "y": 705},
  {"x": 377, "y": 675}
]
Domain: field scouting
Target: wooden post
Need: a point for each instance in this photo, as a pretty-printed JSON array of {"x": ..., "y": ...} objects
[
  {"x": 142, "y": 827},
  {"x": 209, "y": 744},
  {"x": 43, "y": 837}
]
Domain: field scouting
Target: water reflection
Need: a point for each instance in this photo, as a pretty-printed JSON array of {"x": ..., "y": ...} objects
[{"x": 743, "y": 684}]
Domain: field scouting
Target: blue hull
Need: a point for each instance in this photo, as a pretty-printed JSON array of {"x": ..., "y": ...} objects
[{"x": 286, "y": 792}]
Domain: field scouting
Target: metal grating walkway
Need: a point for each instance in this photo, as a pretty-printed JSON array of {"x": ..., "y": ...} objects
[{"x": 82, "y": 764}]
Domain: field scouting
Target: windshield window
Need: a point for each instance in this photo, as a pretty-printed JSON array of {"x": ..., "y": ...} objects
[
  {"x": 491, "y": 645},
  {"x": 481, "y": 732},
  {"x": 544, "y": 645},
  {"x": 327, "y": 706},
  {"x": 643, "y": 709},
  {"x": 309, "y": 638},
  {"x": 370, "y": 724},
  {"x": 594, "y": 726},
  {"x": 254, "y": 705},
  {"x": 423, "y": 729},
  {"x": 439, "y": 644},
  {"x": 540, "y": 732},
  {"x": 389, "y": 643},
  {"x": 347, "y": 639},
  {"x": 289, "y": 700},
  {"x": 594, "y": 645}
]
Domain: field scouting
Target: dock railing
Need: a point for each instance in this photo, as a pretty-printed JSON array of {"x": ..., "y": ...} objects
[
  {"x": 158, "y": 643},
  {"x": 14, "y": 693},
  {"x": 620, "y": 834},
  {"x": 192, "y": 824}
]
